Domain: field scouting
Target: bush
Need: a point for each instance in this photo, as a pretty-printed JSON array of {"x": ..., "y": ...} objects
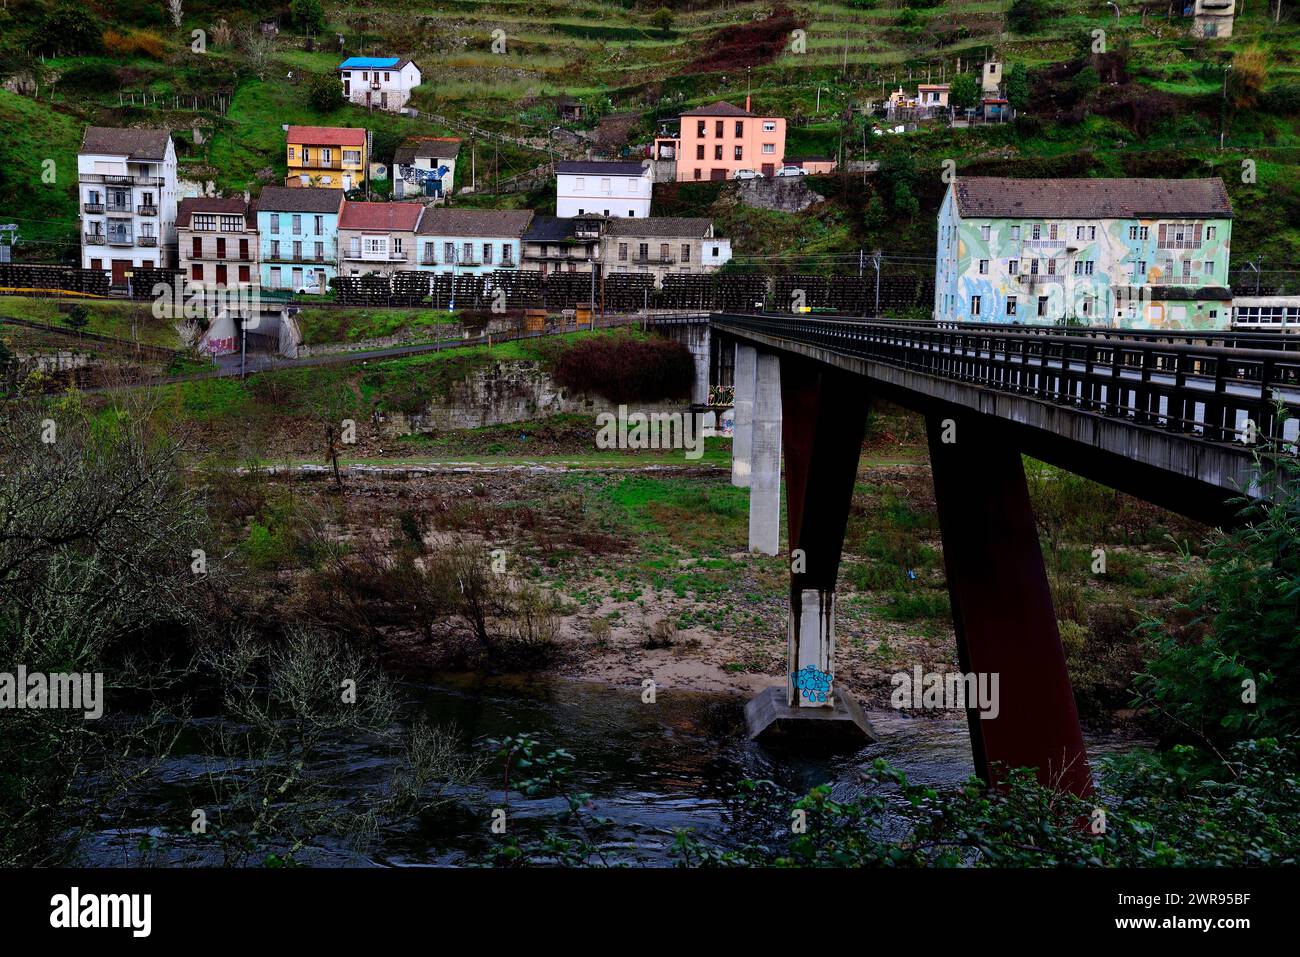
[
  {"x": 135, "y": 43},
  {"x": 623, "y": 369},
  {"x": 1283, "y": 99},
  {"x": 307, "y": 15},
  {"x": 324, "y": 92},
  {"x": 1027, "y": 16},
  {"x": 90, "y": 77}
]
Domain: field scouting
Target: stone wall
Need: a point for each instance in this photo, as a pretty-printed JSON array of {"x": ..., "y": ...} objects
[
  {"x": 790, "y": 194},
  {"x": 505, "y": 392},
  {"x": 451, "y": 330}
]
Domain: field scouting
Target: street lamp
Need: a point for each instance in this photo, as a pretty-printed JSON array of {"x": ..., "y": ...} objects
[{"x": 1223, "y": 112}]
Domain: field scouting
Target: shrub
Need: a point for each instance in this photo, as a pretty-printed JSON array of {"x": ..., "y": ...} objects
[
  {"x": 135, "y": 43},
  {"x": 77, "y": 317},
  {"x": 91, "y": 77},
  {"x": 1027, "y": 16},
  {"x": 308, "y": 15},
  {"x": 1283, "y": 99},
  {"x": 324, "y": 92},
  {"x": 623, "y": 369}
]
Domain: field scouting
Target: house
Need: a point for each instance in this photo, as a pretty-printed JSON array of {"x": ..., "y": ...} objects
[
  {"x": 996, "y": 109},
  {"x": 1213, "y": 18},
  {"x": 377, "y": 238},
  {"x": 717, "y": 140},
  {"x": 298, "y": 229},
  {"x": 1147, "y": 253},
  {"x": 474, "y": 241},
  {"x": 604, "y": 188},
  {"x": 569, "y": 109},
  {"x": 217, "y": 242},
  {"x": 932, "y": 97},
  {"x": 127, "y": 190},
  {"x": 326, "y": 157},
  {"x": 384, "y": 82},
  {"x": 991, "y": 78},
  {"x": 662, "y": 245},
  {"x": 901, "y": 105},
  {"x": 425, "y": 165},
  {"x": 554, "y": 244}
]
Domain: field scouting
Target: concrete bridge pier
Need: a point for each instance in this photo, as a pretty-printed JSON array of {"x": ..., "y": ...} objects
[
  {"x": 765, "y": 457},
  {"x": 742, "y": 434},
  {"x": 1002, "y": 607},
  {"x": 824, "y": 415}
]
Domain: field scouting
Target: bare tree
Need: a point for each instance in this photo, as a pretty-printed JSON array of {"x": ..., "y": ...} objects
[{"x": 174, "y": 7}]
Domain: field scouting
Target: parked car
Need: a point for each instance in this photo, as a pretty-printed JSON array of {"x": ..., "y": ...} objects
[
  {"x": 746, "y": 174},
  {"x": 790, "y": 171}
]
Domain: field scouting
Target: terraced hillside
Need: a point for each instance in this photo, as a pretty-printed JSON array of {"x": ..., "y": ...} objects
[{"x": 1155, "y": 102}]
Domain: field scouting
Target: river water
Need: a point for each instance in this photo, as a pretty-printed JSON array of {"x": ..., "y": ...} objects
[{"x": 651, "y": 769}]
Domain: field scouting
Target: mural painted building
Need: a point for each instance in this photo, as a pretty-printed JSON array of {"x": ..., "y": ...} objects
[
  {"x": 425, "y": 166},
  {"x": 1140, "y": 253}
]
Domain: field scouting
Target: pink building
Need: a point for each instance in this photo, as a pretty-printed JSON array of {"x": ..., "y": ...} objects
[{"x": 717, "y": 140}]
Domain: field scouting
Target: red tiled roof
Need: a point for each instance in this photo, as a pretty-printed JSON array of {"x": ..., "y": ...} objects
[
  {"x": 328, "y": 135},
  {"x": 400, "y": 217}
]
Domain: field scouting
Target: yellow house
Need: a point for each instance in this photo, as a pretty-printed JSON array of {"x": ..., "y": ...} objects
[{"x": 326, "y": 157}]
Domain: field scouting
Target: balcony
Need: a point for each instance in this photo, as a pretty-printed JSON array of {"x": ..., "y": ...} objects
[
  {"x": 653, "y": 260},
  {"x": 118, "y": 209},
  {"x": 146, "y": 241},
  {"x": 121, "y": 239},
  {"x": 93, "y": 207},
  {"x": 147, "y": 210},
  {"x": 288, "y": 258},
  {"x": 390, "y": 258},
  {"x": 95, "y": 239},
  {"x": 317, "y": 164},
  {"x": 122, "y": 180}
]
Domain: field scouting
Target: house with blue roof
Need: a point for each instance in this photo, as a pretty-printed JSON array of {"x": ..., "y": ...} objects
[{"x": 379, "y": 82}]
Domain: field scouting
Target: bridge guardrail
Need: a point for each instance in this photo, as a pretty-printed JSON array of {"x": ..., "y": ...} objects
[{"x": 1216, "y": 393}]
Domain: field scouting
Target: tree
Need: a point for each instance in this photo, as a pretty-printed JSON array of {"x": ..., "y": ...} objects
[
  {"x": 176, "y": 9},
  {"x": 965, "y": 91},
  {"x": 662, "y": 19},
  {"x": 308, "y": 15},
  {"x": 1027, "y": 16},
  {"x": 324, "y": 92},
  {"x": 77, "y": 317},
  {"x": 260, "y": 49},
  {"x": 1085, "y": 83},
  {"x": 1018, "y": 86},
  {"x": 69, "y": 29}
]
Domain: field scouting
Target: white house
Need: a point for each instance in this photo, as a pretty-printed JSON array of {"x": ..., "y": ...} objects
[
  {"x": 589, "y": 187},
  {"x": 385, "y": 82},
  {"x": 127, "y": 193}
]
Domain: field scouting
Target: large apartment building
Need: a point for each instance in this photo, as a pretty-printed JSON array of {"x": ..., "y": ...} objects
[
  {"x": 298, "y": 229},
  {"x": 603, "y": 188},
  {"x": 377, "y": 238},
  {"x": 715, "y": 141},
  {"x": 326, "y": 157},
  {"x": 554, "y": 244},
  {"x": 127, "y": 191},
  {"x": 1118, "y": 252},
  {"x": 473, "y": 241},
  {"x": 383, "y": 82},
  {"x": 663, "y": 245}
]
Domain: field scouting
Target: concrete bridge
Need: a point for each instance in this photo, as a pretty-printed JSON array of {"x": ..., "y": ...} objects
[{"x": 1174, "y": 418}]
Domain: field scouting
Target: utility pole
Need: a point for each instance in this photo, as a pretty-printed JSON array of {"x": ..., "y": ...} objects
[
  {"x": 875, "y": 261},
  {"x": 1223, "y": 109}
]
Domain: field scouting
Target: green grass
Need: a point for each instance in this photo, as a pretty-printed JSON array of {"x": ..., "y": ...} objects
[
  {"x": 122, "y": 320},
  {"x": 354, "y": 325},
  {"x": 38, "y": 182}
]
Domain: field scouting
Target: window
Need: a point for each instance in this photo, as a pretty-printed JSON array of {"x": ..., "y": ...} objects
[
  {"x": 1210, "y": 231},
  {"x": 1180, "y": 235},
  {"x": 1011, "y": 305},
  {"x": 696, "y": 171},
  {"x": 244, "y": 275},
  {"x": 717, "y": 129},
  {"x": 622, "y": 252},
  {"x": 196, "y": 272},
  {"x": 699, "y": 155},
  {"x": 1042, "y": 305},
  {"x": 974, "y": 305},
  {"x": 275, "y": 222},
  {"x": 1052, "y": 231},
  {"x": 467, "y": 250},
  {"x": 297, "y": 224},
  {"x": 221, "y": 274},
  {"x": 297, "y": 250},
  {"x": 320, "y": 225},
  {"x": 1187, "y": 269},
  {"x": 631, "y": 214},
  {"x": 1015, "y": 232},
  {"x": 275, "y": 249},
  {"x": 740, "y": 152},
  {"x": 397, "y": 245},
  {"x": 769, "y": 126},
  {"x": 1078, "y": 268},
  {"x": 984, "y": 267},
  {"x": 1051, "y": 267},
  {"x": 487, "y": 253},
  {"x": 986, "y": 232},
  {"x": 290, "y": 152},
  {"x": 232, "y": 224},
  {"x": 320, "y": 252},
  {"x": 386, "y": 76},
  {"x": 604, "y": 185},
  {"x": 1033, "y": 267},
  {"x": 700, "y": 130},
  {"x": 205, "y": 221},
  {"x": 686, "y": 252},
  {"x": 1209, "y": 268},
  {"x": 507, "y": 254},
  {"x": 221, "y": 248},
  {"x": 579, "y": 184},
  {"x": 769, "y": 149},
  {"x": 243, "y": 249},
  {"x": 717, "y": 152},
  {"x": 1036, "y": 231},
  {"x": 740, "y": 128},
  {"x": 449, "y": 252},
  {"x": 276, "y": 283},
  {"x": 643, "y": 251},
  {"x": 352, "y": 157},
  {"x": 634, "y": 186},
  {"x": 198, "y": 248},
  {"x": 663, "y": 251},
  {"x": 1139, "y": 269},
  {"x": 715, "y": 252},
  {"x": 1013, "y": 267}
]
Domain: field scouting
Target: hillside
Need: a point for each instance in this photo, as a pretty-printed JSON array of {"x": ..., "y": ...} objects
[{"x": 1151, "y": 104}]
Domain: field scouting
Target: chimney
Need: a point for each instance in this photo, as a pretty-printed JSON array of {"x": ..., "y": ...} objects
[{"x": 746, "y": 102}]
